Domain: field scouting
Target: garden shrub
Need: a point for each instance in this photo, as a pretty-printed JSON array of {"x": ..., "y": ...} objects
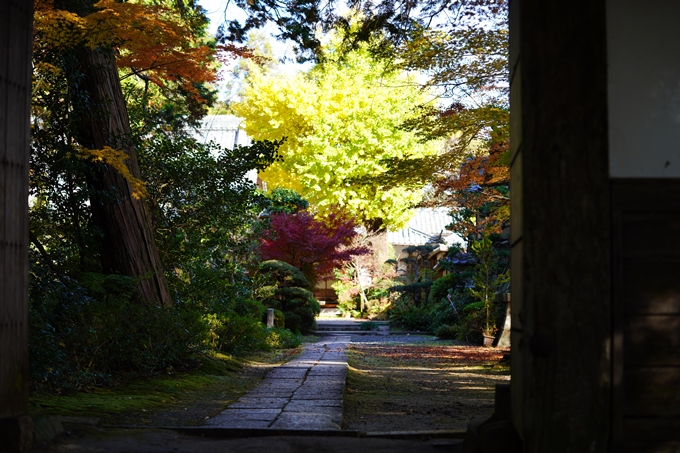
[
  {"x": 79, "y": 335},
  {"x": 447, "y": 332},
  {"x": 292, "y": 296},
  {"x": 442, "y": 286},
  {"x": 279, "y": 338},
  {"x": 368, "y": 325},
  {"x": 406, "y": 314},
  {"x": 235, "y": 334}
]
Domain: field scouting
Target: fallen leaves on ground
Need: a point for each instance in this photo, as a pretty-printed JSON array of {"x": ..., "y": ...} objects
[{"x": 420, "y": 387}]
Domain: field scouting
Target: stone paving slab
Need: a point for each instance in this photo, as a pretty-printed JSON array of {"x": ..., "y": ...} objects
[
  {"x": 249, "y": 402},
  {"x": 315, "y": 393},
  {"x": 280, "y": 384},
  {"x": 301, "y": 421},
  {"x": 322, "y": 386},
  {"x": 313, "y": 411},
  {"x": 265, "y": 393},
  {"x": 299, "y": 404},
  {"x": 333, "y": 352},
  {"x": 324, "y": 379},
  {"x": 287, "y": 373},
  {"x": 249, "y": 414},
  {"x": 305, "y": 393},
  {"x": 316, "y": 355},
  {"x": 325, "y": 371},
  {"x": 219, "y": 423},
  {"x": 311, "y": 395}
]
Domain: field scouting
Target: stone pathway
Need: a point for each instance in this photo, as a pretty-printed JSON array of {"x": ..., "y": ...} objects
[{"x": 305, "y": 393}]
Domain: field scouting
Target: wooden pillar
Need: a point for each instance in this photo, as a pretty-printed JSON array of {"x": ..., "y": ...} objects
[
  {"x": 15, "y": 95},
  {"x": 561, "y": 245}
]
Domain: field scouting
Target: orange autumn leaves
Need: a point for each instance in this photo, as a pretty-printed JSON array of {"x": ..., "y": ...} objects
[
  {"x": 153, "y": 41},
  {"x": 406, "y": 355}
]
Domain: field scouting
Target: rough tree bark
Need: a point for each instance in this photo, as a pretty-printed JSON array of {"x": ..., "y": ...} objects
[{"x": 128, "y": 246}]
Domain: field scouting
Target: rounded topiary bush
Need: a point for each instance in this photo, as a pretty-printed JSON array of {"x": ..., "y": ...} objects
[{"x": 292, "y": 296}]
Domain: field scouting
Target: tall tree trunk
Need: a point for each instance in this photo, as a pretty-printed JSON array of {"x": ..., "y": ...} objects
[
  {"x": 128, "y": 246},
  {"x": 16, "y": 16}
]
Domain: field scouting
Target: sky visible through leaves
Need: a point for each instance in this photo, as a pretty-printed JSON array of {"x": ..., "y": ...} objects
[{"x": 217, "y": 11}]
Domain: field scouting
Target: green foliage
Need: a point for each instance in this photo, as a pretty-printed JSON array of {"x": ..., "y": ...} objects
[
  {"x": 284, "y": 274},
  {"x": 447, "y": 332},
  {"x": 417, "y": 279},
  {"x": 444, "y": 286},
  {"x": 377, "y": 297},
  {"x": 368, "y": 325},
  {"x": 218, "y": 364},
  {"x": 463, "y": 300},
  {"x": 81, "y": 334},
  {"x": 298, "y": 306},
  {"x": 86, "y": 325},
  {"x": 235, "y": 334},
  {"x": 487, "y": 281},
  {"x": 279, "y": 338},
  {"x": 205, "y": 210},
  {"x": 291, "y": 296},
  {"x": 287, "y": 201},
  {"x": 407, "y": 315}
]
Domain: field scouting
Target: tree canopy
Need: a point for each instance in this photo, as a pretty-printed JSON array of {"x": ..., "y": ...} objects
[
  {"x": 342, "y": 123},
  {"x": 314, "y": 246},
  {"x": 142, "y": 238}
]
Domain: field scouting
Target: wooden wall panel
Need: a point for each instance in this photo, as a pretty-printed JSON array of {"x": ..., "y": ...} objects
[
  {"x": 646, "y": 254},
  {"x": 647, "y": 288},
  {"x": 651, "y": 235},
  {"x": 652, "y": 392},
  {"x": 650, "y": 429},
  {"x": 652, "y": 340}
]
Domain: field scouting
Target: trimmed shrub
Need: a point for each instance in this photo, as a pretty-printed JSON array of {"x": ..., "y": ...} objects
[
  {"x": 278, "y": 338},
  {"x": 292, "y": 296}
]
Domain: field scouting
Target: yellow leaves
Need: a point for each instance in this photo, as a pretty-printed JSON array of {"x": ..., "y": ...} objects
[
  {"x": 59, "y": 28},
  {"x": 342, "y": 122},
  {"x": 115, "y": 158},
  {"x": 150, "y": 39},
  {"x": 44, "y": 67}
]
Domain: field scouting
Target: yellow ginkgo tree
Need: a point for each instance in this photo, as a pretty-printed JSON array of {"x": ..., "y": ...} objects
[{"x": 341, "y": 120}]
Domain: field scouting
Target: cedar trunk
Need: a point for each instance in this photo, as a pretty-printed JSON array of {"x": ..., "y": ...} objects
[{"x": 128, "y": 246}]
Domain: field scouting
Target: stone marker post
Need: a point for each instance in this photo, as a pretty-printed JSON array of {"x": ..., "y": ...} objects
[{"x": 270, "y": 318}]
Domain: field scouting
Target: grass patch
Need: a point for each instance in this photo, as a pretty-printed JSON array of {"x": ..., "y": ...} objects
[{"x": 172, "y": 399}]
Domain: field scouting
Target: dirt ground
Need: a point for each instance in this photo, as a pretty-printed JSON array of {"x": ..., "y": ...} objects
[{"x": 416, "y": 383}]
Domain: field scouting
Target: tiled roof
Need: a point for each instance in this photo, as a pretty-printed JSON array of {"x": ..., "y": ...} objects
[{"x": 426, "y": 224}]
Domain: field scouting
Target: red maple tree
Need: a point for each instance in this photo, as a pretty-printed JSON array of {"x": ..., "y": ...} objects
[{"x": 314, "y": 246}]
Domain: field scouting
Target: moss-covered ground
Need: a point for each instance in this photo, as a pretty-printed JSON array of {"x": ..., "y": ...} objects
[{"x": 169, "y": 399}]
